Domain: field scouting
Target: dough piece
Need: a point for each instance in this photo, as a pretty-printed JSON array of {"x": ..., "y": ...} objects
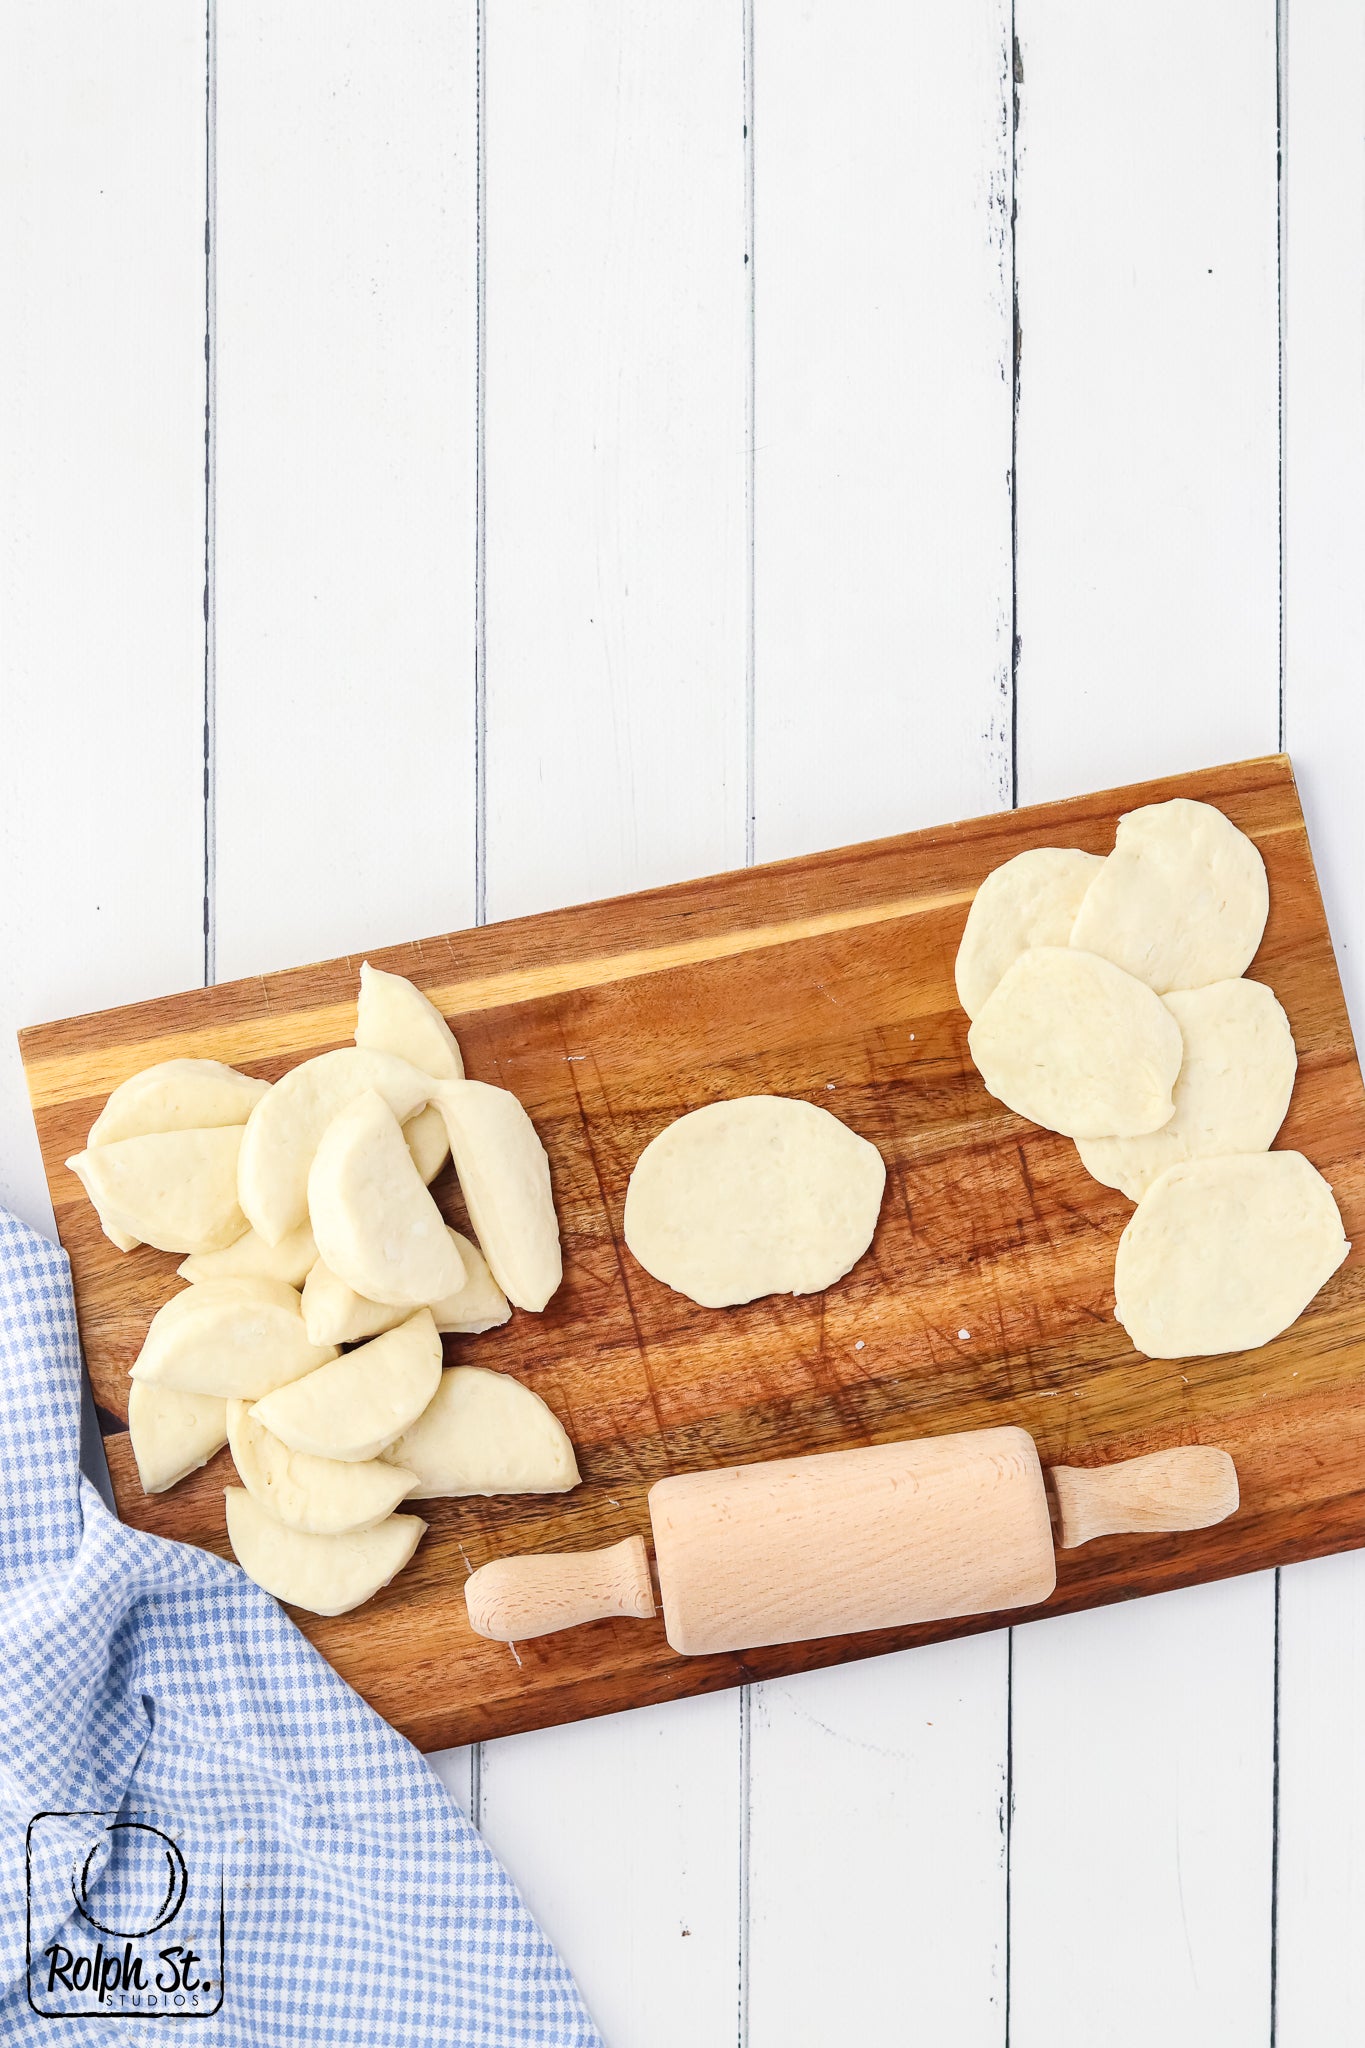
[
  {"x": 321, "y": 1496},
  {"x": 485, "y": 1432},
  {"x": 172, "y": 1434},
  {"x": 1231, "y": 1094},
  {"x": 480, "y": 1304},
  {"x": 1180, "y": 902},
  {"x": 322, "y": 1574},
  {"x": 392, "y": 1015},
  {"x": 123, "y": 1240},
  {"x": 427, "y": 1141},
  {"x": 177, "y": 1095},
  {"x": 505, "y": 1178},
  {"x": 176, "y": 1190},
  {"x": 237, "y": 1339},
  {"x": 335, "y": 1314},
  {"x": 355, "y": 1407},
  {"x": 251, "y": 1258},
  {"x": 1031, "y": 900},
  {"x": 1075, "y": 1044},
  {"x": 762, "y": 1195},
  {"x": 376, "y": 1226},
  {"x": 1223, "y": 1254},
  {"x": 283, "y": 1130}
]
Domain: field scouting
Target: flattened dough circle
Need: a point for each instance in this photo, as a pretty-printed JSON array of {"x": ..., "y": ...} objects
[
  {"x": 1224, "y": 1254},
  {"x": 1075, "y": 1044},
  {"x": 1031, "y": 900},
  {"x": 1231, "y": 1094},
  {"x": 761, "y": 1195},
  {"x": 1180, "y": 902}
]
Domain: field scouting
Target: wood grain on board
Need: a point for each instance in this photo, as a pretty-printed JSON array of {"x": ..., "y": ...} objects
[{"x": 986, "y": 1296}]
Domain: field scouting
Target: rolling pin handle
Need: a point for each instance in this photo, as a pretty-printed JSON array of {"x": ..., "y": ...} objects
[
  {"x": 1190, "y": 1487},
  {"x": 515, "y": 1598}
]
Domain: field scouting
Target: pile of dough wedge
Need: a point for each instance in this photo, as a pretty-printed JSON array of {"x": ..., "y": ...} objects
[
  {"x": 1109, "y": 1002},
  {"x": 321, "y": 1280}
]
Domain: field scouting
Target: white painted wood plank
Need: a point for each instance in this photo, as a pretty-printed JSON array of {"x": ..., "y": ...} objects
[
  {"x": 615, "y": 447},
  {"x": 883, "y": 420},
  {"x": 876, "y": 1845},
  {"x": 882, "y": 417},
  {"x": 1320, "y": 2000},
  {"x": 624, "y": 1837},
  {"x": 101, "y": 521},
  {"x": 1147, "y": 608},
  {"x": 1319, "y": 1997},
  {"x": 615, "y": 635},
  {"x": 1142, "y": 1744},
  {"x": 1324, "y": 456},
  {"x": 1148, "y": 549},
  {"x": 345, "y": 476}
]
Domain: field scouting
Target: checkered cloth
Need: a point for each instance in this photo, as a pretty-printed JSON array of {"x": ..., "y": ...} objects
[{"x": 152, "y": 1681}]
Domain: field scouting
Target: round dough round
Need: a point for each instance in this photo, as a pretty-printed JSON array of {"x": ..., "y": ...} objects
[
  {"x": 1075, "y": 1044},
  {"x": 1031, "y": 900},
  {"x": 1223, "y": 1254},
  {"x": 1180, "y": 902},
  {"x": 1231, "y": 1094},
  {"x": 762, "y": 1195}
]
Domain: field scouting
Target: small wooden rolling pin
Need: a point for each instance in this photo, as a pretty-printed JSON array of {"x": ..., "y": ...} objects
[{"x": 849, "y": 1540}]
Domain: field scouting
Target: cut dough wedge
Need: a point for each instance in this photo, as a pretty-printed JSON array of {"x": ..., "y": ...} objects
[
  {"x": 335, "y": 1314},
  {"x": 376, "y": 1226},
  {"x": 321, "y": 1496},
  {"x": 321, "y": 1574},
  {"x": 176, "y": 1190},
  {"x": 505, "y": 1178},
  {"x": 765, "y": 1194},
  {"x": 172, "y": 1434},
  {"x": 237, "y": 1339},
  {"x": 392, "y": 1015},
  {"x": 282, "y": 1132},
  {"x": 251, "y": 1258},
  {"x": 355, "y": 1407},
  {"x": 1180, "y": 902},
  {"x": 1231, "y": 1095},
  {"x": 485, "y": 1432},
  {"x": 1224, "y": 1254},
  {"x": 123, "y": 1240},
  {"x": 1075, "y": 1044},
  {"x": 480, "y": 1304},
  {"x": 427, "y": 1141},
  {"x": 1031, "y": 900},
  {"x": 176, "y": 1095}
]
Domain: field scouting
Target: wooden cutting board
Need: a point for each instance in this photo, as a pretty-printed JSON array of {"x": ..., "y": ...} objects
[{"x": 987, "y": 1296}]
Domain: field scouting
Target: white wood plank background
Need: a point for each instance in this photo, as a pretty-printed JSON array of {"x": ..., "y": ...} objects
[{"x": 642, "y": 439}]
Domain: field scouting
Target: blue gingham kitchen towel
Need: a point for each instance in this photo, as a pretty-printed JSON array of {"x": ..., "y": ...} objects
[{"x": 201, "y": 1821}]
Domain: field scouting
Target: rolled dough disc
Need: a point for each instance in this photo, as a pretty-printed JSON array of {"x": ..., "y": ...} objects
[
  {"x": 1223, "y": 1254},
  {"x": 1180, "y": 902},
  {"x": 762, "y": 1195},
  {"x": 1231, "y": 1094},
  {"x": 1075, "y": 1044},
  {"x": 1031, "y": 900}
]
